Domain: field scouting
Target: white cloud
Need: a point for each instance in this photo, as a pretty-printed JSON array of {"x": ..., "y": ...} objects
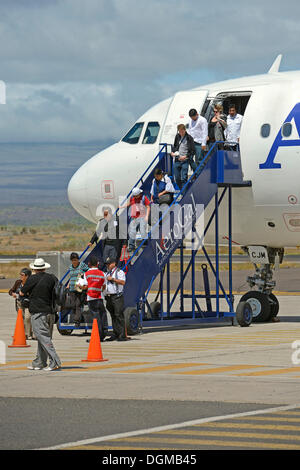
[
  {"x": 79, "y": 70},
  {"x": 102, "y": 40},
  {"x": 63, "y": 112}
]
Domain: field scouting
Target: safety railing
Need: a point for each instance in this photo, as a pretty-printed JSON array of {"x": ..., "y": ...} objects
[
  {"x": 141, "y": 180},
  {"x": 162, "y": 156},
  {"x": 176, "y": 199}
]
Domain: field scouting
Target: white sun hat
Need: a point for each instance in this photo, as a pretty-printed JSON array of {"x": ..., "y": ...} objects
[
  {"x": 39, "y": 263},
  {"x": 136, "y": 191}
]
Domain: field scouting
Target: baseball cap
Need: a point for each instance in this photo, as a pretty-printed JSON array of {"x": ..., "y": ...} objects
[{"x": 136, "y": 191}]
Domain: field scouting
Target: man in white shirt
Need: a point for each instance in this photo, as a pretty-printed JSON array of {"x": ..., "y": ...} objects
[
  {"x": 234, "y": 123},
  {"x": 198, "y": 129},
  {"x": 115, "y": 281}
]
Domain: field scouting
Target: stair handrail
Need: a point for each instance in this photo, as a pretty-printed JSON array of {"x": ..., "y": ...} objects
[
  {"x": 164, "y": 146},
  {"x": 157, "y": 157},
  {"x": 202, "y": 163}
]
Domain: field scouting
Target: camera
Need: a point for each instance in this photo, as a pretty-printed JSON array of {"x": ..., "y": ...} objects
[{"x": 24, "y": 301}]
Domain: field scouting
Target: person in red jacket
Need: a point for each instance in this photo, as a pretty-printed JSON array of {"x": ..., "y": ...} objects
[
  {"x": 94, "y": 283},
  {"x": 139, "y": 212}
]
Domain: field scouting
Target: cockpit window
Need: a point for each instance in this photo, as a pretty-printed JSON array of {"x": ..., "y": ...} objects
[
  {"x": 151, "y": 133},
  {"x": 132, "y": 137}
]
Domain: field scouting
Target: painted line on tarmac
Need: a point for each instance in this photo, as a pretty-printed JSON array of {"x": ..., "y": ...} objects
[
  {"x": 203, "y": 442},
  {"x": 169, "y": 427},
  {"x": 5, "y": 291},
  {"x": 286, "y": 370}
]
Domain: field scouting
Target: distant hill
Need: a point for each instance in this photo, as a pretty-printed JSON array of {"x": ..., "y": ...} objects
[
  {"x": 27, "y": 216},
  {"x": 38, "y": 175}
]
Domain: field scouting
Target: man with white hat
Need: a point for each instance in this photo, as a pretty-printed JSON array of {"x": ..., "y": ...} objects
[
  {"x": 39, "y": 287},
  {"x": 139, "y": 214}
]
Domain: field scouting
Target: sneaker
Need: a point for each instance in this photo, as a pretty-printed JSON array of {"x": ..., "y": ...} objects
[
  {"x": 51, "y": 368},
  {"x": 124, "y": 338},
  {"x": 111, "y": 338},
  {"x": 34, "y": 368}
]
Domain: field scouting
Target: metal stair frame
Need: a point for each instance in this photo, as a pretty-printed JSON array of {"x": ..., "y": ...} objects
[
  {"x": 219, "y": 168},
  {"x": 223, "y": 169}
]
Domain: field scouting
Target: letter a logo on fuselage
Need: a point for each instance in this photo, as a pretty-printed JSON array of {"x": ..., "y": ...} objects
[{"x": 281, "y": 142}]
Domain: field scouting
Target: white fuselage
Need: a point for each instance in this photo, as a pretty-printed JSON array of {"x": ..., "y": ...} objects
[{"x": 268, "y": 212}]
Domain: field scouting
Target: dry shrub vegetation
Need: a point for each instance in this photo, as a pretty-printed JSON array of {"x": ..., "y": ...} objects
[
  {"x": 12, "y": 270},
  {"x": 15, "y": 240},
  {"x": 29, "y": 240}
]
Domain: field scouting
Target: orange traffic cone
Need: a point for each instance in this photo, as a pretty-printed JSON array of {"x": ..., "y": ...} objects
[
  {"x": 19, "y": 338},
  {"x": 95, "y": 351}
]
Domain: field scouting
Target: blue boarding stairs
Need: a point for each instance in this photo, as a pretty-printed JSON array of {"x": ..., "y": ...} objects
[
  {"x": 219, "y": 169},
  {"x": 215, "y": 176}
]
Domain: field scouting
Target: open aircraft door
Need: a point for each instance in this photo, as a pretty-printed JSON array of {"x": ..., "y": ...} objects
[{"x": 178, "y": 112}]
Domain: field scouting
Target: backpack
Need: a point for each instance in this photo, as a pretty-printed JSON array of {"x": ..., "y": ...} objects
[{"x": 58, "y": 294}]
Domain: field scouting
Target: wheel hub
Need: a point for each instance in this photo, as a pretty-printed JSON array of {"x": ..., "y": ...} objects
[{"x": 255, "y": 305}]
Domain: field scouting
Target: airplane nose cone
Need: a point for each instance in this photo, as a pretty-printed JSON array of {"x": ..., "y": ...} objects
[{"x": 77, "y": 193}]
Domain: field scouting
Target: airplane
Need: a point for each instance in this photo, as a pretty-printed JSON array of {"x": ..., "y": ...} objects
[{"x": 266, "y": 215}]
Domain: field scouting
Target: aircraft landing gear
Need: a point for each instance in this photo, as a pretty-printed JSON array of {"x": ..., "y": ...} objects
[
  {"x": 261, "y": 307},
  {"x": 264, "y": 303}
]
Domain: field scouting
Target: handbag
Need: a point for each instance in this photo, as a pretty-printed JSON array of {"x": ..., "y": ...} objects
[
  {"x": 24, "y": 301},
  {"x": 69, "y": 302},
  {"x": 165, "y": 199}
]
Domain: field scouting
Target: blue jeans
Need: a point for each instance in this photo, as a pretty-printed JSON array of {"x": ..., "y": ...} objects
[
  {"x": 135, "y": 225},
  {"x": 200, "y": 154},
  {"x": 181, "y": 172},
  {"x": 97, "y": 309}
]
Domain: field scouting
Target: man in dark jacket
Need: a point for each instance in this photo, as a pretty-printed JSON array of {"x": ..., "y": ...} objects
[
  {"x": 113, "y": 236},
  {"x": 39, "y": 287},
  {"x": 183, "y": 151}
]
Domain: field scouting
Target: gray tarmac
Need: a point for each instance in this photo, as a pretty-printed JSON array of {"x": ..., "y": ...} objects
[
  {"x": 287, "y": 280},
  {"x": 77, "y": 419},
  {"x": 165, "y": 377}
]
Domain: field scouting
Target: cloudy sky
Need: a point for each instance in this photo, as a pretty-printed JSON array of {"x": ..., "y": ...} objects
[{"x": 84, "y": 70}]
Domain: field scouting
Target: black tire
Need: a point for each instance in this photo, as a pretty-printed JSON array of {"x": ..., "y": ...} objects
[
  {"x": 244, "y": 314},
  {"x": 64, "y": 332},
  {"x": 131, "y": 320},
  {"x": 260, "y": 305},
  {"x": 155, "y": 309},
  {"x": 274, "y": 303}
]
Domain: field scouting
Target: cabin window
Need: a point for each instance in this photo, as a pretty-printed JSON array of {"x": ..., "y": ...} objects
[
  {"x": 286, "y": 129},
  {"x": 151, "y": 133},
  {"x": 265, "y": 130},
  {"x": 133, "y": 136}
]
